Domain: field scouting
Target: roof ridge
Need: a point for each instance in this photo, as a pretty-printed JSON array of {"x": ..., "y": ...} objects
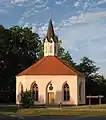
[
  {"x": 64, "y": 63},
  {"x": 28, "y": 69},
  {"x": 69, "y": 66}
]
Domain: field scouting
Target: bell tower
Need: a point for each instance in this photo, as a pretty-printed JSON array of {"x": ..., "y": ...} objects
[{"x": 50, "y": 42}]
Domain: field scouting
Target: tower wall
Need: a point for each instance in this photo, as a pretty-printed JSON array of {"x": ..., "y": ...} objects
[
  {"x": 50, "y": 48},
  {"x": 50, "y": 42}
]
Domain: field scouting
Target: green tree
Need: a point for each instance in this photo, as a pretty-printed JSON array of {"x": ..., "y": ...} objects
[
  {"x": 65, "y": 55},
  {"x": 95, "y": 83},
  {"x": 87, "y": 67},
  {"x": 19, "y": 48},
  {"x": 27, "y": 99}
]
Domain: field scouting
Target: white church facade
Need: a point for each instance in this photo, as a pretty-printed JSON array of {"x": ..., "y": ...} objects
[{"x": 51, "y": 80}]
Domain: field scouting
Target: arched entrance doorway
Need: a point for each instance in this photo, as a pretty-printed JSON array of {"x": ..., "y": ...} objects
[{"x": 50, "y": 94}]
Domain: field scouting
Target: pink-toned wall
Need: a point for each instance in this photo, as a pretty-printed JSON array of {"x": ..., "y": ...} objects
[
  {"x": 19, "y": 80},
  {"x": 57, "y": 83},
  {"x": 81, "y": 80}
]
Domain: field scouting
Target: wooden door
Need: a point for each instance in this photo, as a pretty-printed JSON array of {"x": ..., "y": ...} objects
[{"x": 51, "y": 97}]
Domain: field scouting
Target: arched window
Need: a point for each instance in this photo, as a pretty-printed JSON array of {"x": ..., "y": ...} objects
[
  {"x": 34, "y": 90},
  {"x": 66, "y": 92},
  {"x": 21, "y": 88},
  {"x": 50, "y": 48},
  {"x": 80, "y": 87}
]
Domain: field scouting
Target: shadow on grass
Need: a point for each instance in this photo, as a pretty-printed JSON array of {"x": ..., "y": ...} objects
[{"x": 13, "y": 109}]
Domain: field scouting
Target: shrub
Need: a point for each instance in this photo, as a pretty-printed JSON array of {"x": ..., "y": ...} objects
[{"x": 27, "y": 99}]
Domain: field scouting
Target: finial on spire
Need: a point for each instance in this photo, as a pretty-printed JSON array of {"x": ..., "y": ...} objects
[{"x": 51, "y": 15}]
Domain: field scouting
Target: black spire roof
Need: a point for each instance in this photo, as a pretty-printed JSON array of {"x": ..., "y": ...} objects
[{"x": 50, "y": 33}]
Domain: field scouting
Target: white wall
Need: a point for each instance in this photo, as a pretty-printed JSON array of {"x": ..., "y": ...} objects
[
  {"x": 20, "y": 79},
  {"x": 47, "y": 48},
  {"x": 57, "y": 82}
]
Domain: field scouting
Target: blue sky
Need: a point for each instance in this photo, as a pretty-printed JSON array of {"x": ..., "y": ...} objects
[{"x": 80, "y": 24}]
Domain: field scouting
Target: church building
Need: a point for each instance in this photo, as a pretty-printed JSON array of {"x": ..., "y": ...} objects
[{"x": 52, "y": 80}]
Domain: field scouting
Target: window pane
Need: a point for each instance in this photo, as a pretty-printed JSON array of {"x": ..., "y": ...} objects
[
  {"x": 50, "y": 48},
  {"x": 65, "y": 98},
  {"x": 64, "y": 95},
  {"x": 68, "y": 95},
  {"x": 34, "y": 90},
  {"x": 36, "y": 95},
  {"x": 66, "y": 92}
]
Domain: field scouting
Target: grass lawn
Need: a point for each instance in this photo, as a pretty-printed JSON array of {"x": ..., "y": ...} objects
[{"x": 93, "y": 110}]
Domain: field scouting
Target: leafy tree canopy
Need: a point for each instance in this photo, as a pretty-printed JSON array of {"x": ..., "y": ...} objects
[
  {"x": 87, "y": 66},
  {"x": 19, "y": 48}
]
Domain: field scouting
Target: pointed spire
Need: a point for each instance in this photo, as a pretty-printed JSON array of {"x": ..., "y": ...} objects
[
  {"x": 50, "y": 32},
  {"x": 50, "y": 41}
]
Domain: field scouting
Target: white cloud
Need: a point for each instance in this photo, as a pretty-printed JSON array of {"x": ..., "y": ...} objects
[
  {"x": 43, "y": 30},
  {"x": 82, "y": 18},
  {"x": 33, "y": 29},
  {"x": 47, "y": 8},
  {"x": 82, "y": 5},
  {"x": 85, "y": 39},
  {"x": 16, "y": 1},
  {"x": 3, "y": 11},
  {"x": 101, "y": 2},
  {"x": 26, "y": 25},
  {"x": 77, "y": 3},
  {"x": 33, "y": 26},
  {"x": 6, "y": 4},
  {"x": 86, "y": 4},
  {"x": 33, "y": 7},
  {"x": 59, "y": 2}
]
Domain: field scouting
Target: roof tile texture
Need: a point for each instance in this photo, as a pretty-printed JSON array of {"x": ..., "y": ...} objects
[{"x": 50, "y": 65}]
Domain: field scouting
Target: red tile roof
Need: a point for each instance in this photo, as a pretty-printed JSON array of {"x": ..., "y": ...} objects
[{"x": 50, "y": 65}]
